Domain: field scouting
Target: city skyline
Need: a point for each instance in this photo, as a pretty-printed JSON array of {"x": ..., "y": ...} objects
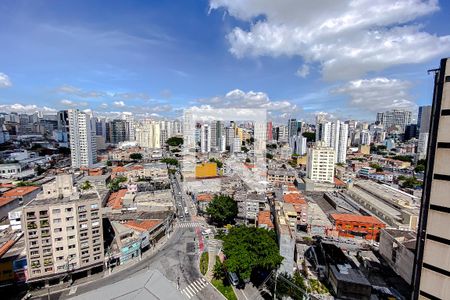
[{"x": 156, "y": 59}]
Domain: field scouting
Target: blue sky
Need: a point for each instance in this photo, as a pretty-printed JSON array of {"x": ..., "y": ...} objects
[{"x": 157, "y": 57}]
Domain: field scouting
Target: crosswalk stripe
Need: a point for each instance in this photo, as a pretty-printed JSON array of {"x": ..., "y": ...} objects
[
  {"x": 191, "y": 293},
  {"x": 191, "y": 288},
  {"x": 197, "y": 285},
  {"x": 201, "y": 283},
  {"x": 187, "y": 294}
]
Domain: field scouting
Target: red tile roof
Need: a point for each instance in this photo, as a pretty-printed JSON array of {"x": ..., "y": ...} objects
[
  {"x": 294, "y": 198},
  {"x": 355, "y": 218},
  {"x": 6, "y": 246},
  {"x": 20, "y": 191},
  {"x": 115, "y": 200},
  {"x": 6, "y": 200},
  {"x": 119, "y": 169},
  {"x": 204, "y": 197},
  {"x": 264, "y": 218},
  {"x": 338, "y": 182},
  {"x": 142, "y": 225}
]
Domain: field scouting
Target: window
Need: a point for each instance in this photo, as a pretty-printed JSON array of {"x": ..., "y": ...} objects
[
  {"x": 83, "y": 226},
  {"x": 94, "y": 206},
  {"x": 71, "y": 237},
  {"x": 57, "y": 230},
  {"x": 95, "y": 224},
  {"x": 56, "y": 211},
  {"x": 69, "y": 219},
  {"x": 68, "y": 209},
  {"x": 59, "y": 248},
  {"x": 71, "y": 246},
  {"x": 68, "y": 228},
  {"x": 58, "y": 239},
  {"x": 58, "y": 220},
  {"x": 35, "y": 252}
]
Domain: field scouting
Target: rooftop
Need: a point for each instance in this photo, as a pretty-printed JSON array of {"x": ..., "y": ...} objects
[
  {"x": 204, "y": 197},
  {"x": 74, "y": 198},
  {"x": 115, "y": 200},
  {"x": 355, "y": 218},
  {"x": 264, "y": 217},
  {"x": 142, "y": 225},
  {"x": 20, "y": 191},
  {"x": 294, "y": 198}
]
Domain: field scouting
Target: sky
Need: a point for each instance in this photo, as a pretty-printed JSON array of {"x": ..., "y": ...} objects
[{"x": 294, "y": 58}]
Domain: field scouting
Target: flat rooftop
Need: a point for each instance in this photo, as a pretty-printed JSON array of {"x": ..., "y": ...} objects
[{"x": 65, "y": 200}]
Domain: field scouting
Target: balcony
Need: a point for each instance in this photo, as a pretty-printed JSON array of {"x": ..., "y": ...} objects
[
  {"x": 31, "y": 225},
  {"x": 35, "y": 265},
  {"x": 31, "y": 216},
  {"x": 44, "y": 223}
]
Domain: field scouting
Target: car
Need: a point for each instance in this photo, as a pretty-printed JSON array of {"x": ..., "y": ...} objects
[{"x": 233, "y": 278}]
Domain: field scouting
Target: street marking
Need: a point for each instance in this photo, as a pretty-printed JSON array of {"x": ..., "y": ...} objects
[
  {"x": 194, "y": 287},
  {"x": 73, "y": 290}
]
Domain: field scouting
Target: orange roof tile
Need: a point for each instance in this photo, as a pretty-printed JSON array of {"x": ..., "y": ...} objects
[
  {"x": 119, "y": 169},
  {"x": 294, "y": 198},
  {"x": 264, "y": 218},
  {"x": 6, "y": 246},
  {"x": 139, "y": 167},
  {"x": 20, "y": 191},
  {"x": 6, "y": 200},
  {"x": 142, "y": 225},
  {"x": 204, "y": 197},
  {"x": 338, "y": 182},
  {"x": 355, "y": 218},
  {"x": 115, "y": 200}
]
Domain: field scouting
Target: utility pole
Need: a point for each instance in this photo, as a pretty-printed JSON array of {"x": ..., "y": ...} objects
[{"x": 275, "y": 289}]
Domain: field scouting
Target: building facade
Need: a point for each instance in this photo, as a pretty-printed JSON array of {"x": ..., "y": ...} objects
[
  {"x": 432, "y": 266},
  {"x": 62, "y": 236},
  {"x": 83, "y": 151},
  {"x": 321, "y": 160}
]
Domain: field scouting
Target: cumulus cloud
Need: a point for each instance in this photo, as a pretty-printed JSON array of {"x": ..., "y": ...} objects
[
  {"x": 75, "y": 91},
  {"x": 27, "y": 108},
  {"x": 378, "y": 94},
  {"x": 132, "y": 96},
  {"x": 5, "y": 82},
  {"x": 240, "y": 99},
  {"x": 364, "y": 34},
  {"x": 303, "y": 71},
  {"x": 70, "y": 103},
  {"x": 119, "y": 104}
]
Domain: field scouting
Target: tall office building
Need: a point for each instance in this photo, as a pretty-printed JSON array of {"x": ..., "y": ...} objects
[
  {"x": 323, "y": 132},
  {"x": 396, "y": 117},
  {"x": 129, "y": 125},
  {"x": 298, "y": 144},
  {"x": 365, "y": 137},
  {"x": 432, "y": 264},
  {"x": 423, "y": 119},
  {"x": 148, "y": 134},
  {"x": 334, "y": 135},
  {"x": 320, "y": 165},
  {"x": 269, "y": 134},
  {"x": 82, "y": 139},
  {"x": 283, "y": 134},
  {"x": 205, "y": 138},
  {"x": 292, "y": 127},
  {"x": 118, "y": 131}
]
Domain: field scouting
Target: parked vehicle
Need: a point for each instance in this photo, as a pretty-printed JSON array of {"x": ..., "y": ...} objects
[{"x": 233, "y": 278}]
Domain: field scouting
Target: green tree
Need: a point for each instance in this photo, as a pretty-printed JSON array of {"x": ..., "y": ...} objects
[
  {"x": 419, "y": 168},
  {"x": 219, "y": 270},
  {"x": 170, "y": 161},
  {"x": 25, "y": 183},
  {"x": 114, "y": 185},
  {"x": 136, "y": 156},
  {"x": 403, "y": 158},
  {"x": 86, "y": 185},
  {"x": 109, "y": 163},
  {"x": 271, "y": 146},
  {"x": 269, "y": 156},
  {"x": 310, "y": 136},
  {"x": 218, "y": 162},
  {"x": 250, "y": 249},
  {"x": 411, "y": 182},
  {"x": 174, "y": 141},
  {"x": 377, "y": 167},
  {"x": 222, "y": 210},
  {"x": 244, "y": 149}
]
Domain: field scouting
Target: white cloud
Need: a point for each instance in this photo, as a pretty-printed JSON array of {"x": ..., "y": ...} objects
[
  {"x": 71, "y": 103},
  {"x": 28, "y": 108},
  {"x": 240, "y": 99},
  {"x": 303, "y": 71},
  {"x": 378, "y": 94},
  {"x": 104, "y": 105},
  {"x": 132, "y": 96},
  {"x": 5, "y": 82},
  {"x": 75, "y": 91},
  {"x": 119, "y": 104},
  {"x": 348, "y": 39}
]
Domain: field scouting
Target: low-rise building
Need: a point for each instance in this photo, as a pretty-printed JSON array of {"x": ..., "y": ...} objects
[
  {"x": 203, "y": 201},
  {"x": 398, "y": 248},
  {"x": 348, "y": 225},
  {"x": 206, "y": 170},
  {"x": 16, "y": 197},
  {"x": 281, "y": 176},
  {"x": 265, "y": 220}
]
